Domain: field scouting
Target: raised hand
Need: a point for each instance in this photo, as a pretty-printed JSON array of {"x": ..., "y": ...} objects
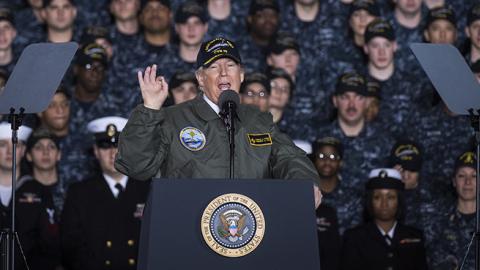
[{"x": 154, "y": 89}]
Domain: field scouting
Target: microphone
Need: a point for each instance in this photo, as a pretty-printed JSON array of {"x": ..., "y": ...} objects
[{"x": 228, "y": 102}]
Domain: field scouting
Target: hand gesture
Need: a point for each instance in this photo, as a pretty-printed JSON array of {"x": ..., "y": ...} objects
[{"x": 154, "y": 89}]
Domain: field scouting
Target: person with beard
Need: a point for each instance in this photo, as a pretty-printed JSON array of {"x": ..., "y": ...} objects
[
  {"x": 383, "y": 242},
  {"x": 262, "y": 25},
  {"x": 346, "y": 200},
  {"x": 365, "y": 145},
  {"x": 100, "y": 223}
]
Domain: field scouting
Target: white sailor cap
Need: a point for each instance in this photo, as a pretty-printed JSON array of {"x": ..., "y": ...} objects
[
  {"x": 385, "y": 178},
  {"x": 107, "y": 129},
  {"x": 6, "y": 132}
]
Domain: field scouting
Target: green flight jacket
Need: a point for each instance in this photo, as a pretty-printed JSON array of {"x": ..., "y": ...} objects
[{"x": 189, "y": 140}]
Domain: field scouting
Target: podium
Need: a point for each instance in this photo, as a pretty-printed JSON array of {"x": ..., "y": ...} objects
[{"x": 176, "y": 221}]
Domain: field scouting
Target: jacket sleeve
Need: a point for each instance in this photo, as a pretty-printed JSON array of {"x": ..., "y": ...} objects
[
  {"x": 287, "y": 161},
  {"x": 143, "y": 144}
]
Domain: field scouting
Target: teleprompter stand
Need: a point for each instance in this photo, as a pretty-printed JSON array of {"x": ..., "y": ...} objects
[
  {"x": 29, "y": 89},
  {"x": 460, "y": 91}
]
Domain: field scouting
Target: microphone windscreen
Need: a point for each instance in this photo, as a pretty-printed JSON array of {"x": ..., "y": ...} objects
[{"x": 226, "y": 96}]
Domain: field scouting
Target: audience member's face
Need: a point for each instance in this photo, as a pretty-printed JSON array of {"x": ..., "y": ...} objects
[
  {"x": 91, "y": 76},
  {"x": 473, "y": 32},
  {"x": 327, "y": 161},
  {"x": 6, "y": 154},
  {"x": 359, "y": 21},
  {"x": 106, "y": 158},
  {"x": 385, "y": 204},
  {"x": 256, "y": 94},
  {"x": 280, "y": 93},
  {"x": 57, "y": 114},
  {"x": 191, "y": 32},
  {"x": 7, "y": 35},
  {"x": 44, "y": 155},
  {"x": 351, "y": 107},
  {"x": 465, "y": 183},
  {"x": 373, "y": 108},
  {"x": 124, "y": 10},
  {"x": 409, "y": 178},
  {"x": 185, "y": 92},
  {"x": 60, "y": 15},
  {"x": 380, "y": 52},
  {"x": 441, "y": 32},
  {"x": 409, "y": 7},
  {"x": 155, "y": 17},
  {"x": 221, "y": 75},
  {"x": 264, "y": 23},
  {"x": 287, "y": 60}
]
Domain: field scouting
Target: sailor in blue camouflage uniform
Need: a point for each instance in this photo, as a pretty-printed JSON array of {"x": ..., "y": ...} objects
[
  {"x": 440, "y": 127},
  {"x": 456, "y": 222},
  {"x": 152, "y": 47},
  {"x": 262, "y": 24},
  {"x": 29, "y": 23},
  {"x": 191, "y": 25},
  {"x": 407, "y": 19},
  {"x": 362, "y": 12},
  {"x": 420, "y": 206},
  {"x": 10, "y": 51},
  {"x": 472, "y": 54},
  {"x": 233, "y": 25},
  {"x": 399, "y": 90},
  {"x": 347, "y": 201},
  {"x": 366, "y": 146}
]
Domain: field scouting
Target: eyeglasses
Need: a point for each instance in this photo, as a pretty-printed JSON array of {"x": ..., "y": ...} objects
[
  {"x": 97, "y": 67},
  {"x": 328, "y": 156},
  {"x": 252, "y": 94}
]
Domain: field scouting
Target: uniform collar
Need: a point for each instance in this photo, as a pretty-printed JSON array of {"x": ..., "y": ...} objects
[{"x": 207, "y": 110}]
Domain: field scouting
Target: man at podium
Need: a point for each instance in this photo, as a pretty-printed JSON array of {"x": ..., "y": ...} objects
[{"x": 189, "y": 140}]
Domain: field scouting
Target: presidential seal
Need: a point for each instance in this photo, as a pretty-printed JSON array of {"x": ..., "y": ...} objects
[
  {"x": 192, "y": 138},
  {"x": 233, "y": 225}
]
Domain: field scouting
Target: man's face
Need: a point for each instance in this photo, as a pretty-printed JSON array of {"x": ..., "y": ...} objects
[
  {"x": 44, "y": 155},
  {"x": 7, "y": 35},
  {"x": 385, "y": 204},
  {"x": 191, "y": 32},
  {"x": 91, "y": 76},
  {"x": 185, "y": 92},
  {"x": 327, "y": 161},
  {"x": 60, "y": 15},
  {"x": 464, "y": 182},
  {"x": 287, "y": 60},
  {"x": 106, "y": 158},
  {"x": 351, "y": 107},
  {"x": 57, "y": 114},
  {"x": 155, "y": 17},
  {"x": 256, "y": 94},
  {"x": 473, "y": 32},
  {"x": 6, "y": 154},
  {"x": 264, "y": 22},
  {"x": 441, "y": 32},
  {"x": 380, "y": 52},
  {"x": 280, "y": 93},
  {"x": 221, "y": 75},
  {"x": 124, "y": 10},
  {"x": 408, "y": 7},
  {"x": 359, "y": 21}
]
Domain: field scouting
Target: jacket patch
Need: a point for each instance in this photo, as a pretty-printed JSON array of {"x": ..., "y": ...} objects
[
  {"x": 410, "y": 240},
  {"x": 259, "y": 139}
]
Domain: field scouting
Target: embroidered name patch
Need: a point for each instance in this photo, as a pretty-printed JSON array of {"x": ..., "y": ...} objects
[{"x": 260, "y": 139}]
